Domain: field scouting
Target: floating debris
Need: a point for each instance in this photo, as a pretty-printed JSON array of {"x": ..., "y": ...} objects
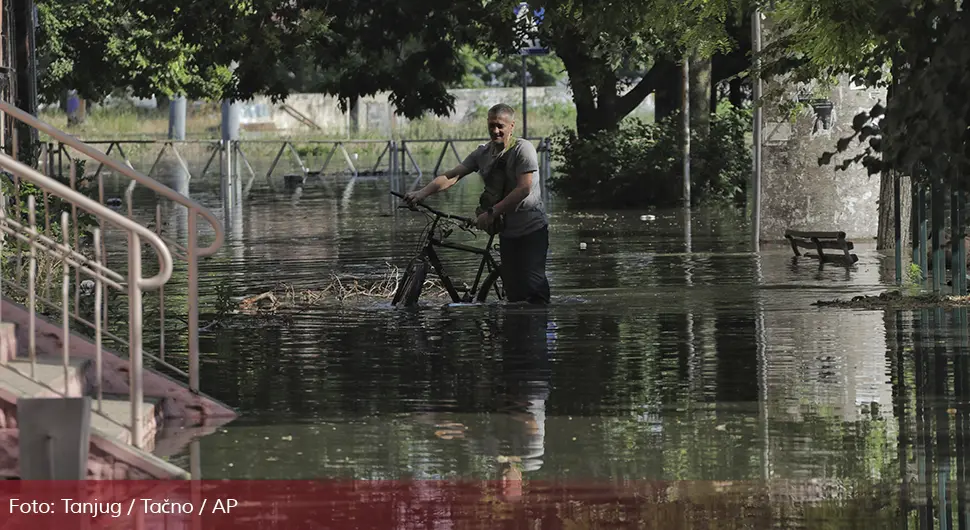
[
  {"x": 339, "y": 288},
  {"x": 898, "y": 300}
]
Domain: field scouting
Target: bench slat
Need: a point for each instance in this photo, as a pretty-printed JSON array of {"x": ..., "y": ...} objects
[
  {"x": 839, "y": 258},
  {"x": 819, "y": 235},
  {"x": 837, "y": 245},
  {"x": 834, "y": 245},
  {"x": 801, "y": 243}
]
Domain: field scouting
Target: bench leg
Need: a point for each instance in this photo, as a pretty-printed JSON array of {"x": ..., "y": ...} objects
[
  {"x": 818, "y": 248},
  {"x": 794, "y": 247}
]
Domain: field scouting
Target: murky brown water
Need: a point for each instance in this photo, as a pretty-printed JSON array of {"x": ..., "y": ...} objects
[{"x": 708, "y": 369}]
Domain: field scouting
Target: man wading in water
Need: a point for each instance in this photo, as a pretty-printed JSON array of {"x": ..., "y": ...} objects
[{"x": 510, "y": 206}]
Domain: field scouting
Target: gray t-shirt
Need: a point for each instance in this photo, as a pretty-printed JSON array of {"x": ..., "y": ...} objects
[{"x": 500, "y": 172}]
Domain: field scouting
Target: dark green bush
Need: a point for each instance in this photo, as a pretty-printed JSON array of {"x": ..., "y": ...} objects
[{"x": 641, "y": 164}]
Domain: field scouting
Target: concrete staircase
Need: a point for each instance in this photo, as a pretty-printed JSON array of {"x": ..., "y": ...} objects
[
  {"x": 167, "y": 428},
  {"x": 129, "y": 440}
]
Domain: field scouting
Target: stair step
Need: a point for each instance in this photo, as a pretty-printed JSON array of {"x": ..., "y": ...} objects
[
  {"x": 49, "y": 375},
  {"x": 8, "y": 341},
  {"x": 114, "y": 419}
]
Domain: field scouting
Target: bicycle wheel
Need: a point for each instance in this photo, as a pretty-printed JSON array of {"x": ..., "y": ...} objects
[
  {"x": 399, "y": 292},
  {"x": 410, "y": 289},
  {"x": 492, "y": 283}
]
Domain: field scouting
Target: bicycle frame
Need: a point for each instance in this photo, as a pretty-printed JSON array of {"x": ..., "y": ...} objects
[{"x": 428, "y": 252}]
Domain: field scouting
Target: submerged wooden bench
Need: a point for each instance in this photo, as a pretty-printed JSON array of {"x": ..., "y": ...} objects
[{"x": 820, "y": 241}]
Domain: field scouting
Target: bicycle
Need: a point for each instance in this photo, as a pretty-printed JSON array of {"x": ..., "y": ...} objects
[{"x": 409, "y": 289}]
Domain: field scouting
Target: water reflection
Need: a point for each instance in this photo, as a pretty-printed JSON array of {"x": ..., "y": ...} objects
[
  {"x": 930, "y": 376},
  {"x": 513, "y": 433},
  {"x": 670, "y": 361}
]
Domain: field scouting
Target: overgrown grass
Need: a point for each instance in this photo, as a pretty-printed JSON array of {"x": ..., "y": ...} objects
[{"x": 204, "y": 121}]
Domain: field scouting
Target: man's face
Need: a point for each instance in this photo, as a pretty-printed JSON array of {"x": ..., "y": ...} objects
[{"x": 500, "y": 128}]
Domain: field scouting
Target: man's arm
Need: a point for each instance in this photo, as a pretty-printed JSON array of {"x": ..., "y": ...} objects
[{"x": 441, "y": 182}]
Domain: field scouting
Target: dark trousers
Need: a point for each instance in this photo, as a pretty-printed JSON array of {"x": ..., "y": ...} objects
[{"x": 524, "y": 267}]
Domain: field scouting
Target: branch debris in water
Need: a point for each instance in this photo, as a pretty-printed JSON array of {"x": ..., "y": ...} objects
[
  {"x": 339, "y": 288},
  {"x": 899, "y": 300}
]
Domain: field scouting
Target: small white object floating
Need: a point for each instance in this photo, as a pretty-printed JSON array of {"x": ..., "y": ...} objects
[
  {"x": 648, "y": 217},
  {"x": 582, "y": 246}
]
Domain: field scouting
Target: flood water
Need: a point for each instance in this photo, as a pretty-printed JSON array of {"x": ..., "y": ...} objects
[{"x": 672, "y": 361}]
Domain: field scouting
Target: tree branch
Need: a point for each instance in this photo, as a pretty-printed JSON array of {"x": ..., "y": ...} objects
[
  {"x": 578, "y": 82},
  {"x": 647, "y": 85}
]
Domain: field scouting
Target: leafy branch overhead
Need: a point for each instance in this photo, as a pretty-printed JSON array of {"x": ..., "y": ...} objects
[
  {"x": 615, "y": 53},
  {"x": 215, "y": 49},
  {"x": 922, "y": 51},
  {"x": 865, "y": 126}
]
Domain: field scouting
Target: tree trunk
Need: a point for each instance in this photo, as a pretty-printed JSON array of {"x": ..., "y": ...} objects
[
  {"x": 886, "y": 231},
  {"x": 700, "y": 97},
  {"x": 25, "y": 68},
  {"x": 715, "y": 96},
  {"x": 604, "y": 109},
  {"x": 354, "y": 115},
  {"x": 589, "y": 120},
  {"x": 667, "y": 96},
  {"x": 727, "y": 66},
  {"x": 737, "y": 93},
  {"x": 700, "y": 120}
]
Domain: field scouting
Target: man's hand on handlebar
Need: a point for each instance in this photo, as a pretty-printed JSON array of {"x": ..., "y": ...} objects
[
  {"x": 413, "y": 197},
  {"x": 483, "y": 221}
]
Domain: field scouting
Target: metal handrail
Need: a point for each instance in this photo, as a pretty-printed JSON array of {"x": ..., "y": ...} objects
[
  {"x": 192, "y": 250},
  {"x": 71, "y": 257},
  {"x": 43, "y": 181},
  {"x": 133, "y": 174}
]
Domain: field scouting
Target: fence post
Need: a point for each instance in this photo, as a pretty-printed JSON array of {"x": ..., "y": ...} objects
[
  {"x": 54, "y": 438},
  {"x": 392, "y": 151}
]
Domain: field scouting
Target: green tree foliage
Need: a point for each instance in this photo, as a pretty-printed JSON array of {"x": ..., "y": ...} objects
[
  {"x": 412, "y": 49},
  {"x": 819, "y": 40},
  {"x": 211, "y": 49},
  {"x": 506, "y": 71},
  {"x": 415, "y": 50},
  {"x": 163, "y": 48},
  {"x": 613, "y": 51},
  {"x": 921, "y": 49},
  {"x": 924, "y": 129},
  {"x": 616, "y": 55}
]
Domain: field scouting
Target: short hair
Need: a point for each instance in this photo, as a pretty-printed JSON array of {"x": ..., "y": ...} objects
[{"x": 502, "y": 109}]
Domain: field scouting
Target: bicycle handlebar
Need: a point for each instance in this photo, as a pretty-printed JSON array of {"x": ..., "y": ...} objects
[{"x": 438, "y": 213}]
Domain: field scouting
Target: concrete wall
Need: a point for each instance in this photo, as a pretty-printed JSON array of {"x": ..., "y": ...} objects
[
  {"x": 796, "y": 192},
  {"x": 376, "y": 112},
  {"x": 799, "y": 194}
]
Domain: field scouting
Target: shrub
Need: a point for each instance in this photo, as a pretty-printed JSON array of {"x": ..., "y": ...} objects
[{"x": 641, "y": 164}]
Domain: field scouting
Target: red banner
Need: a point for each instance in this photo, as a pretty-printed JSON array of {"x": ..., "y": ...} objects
[{"x": 346, "y": 505}]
